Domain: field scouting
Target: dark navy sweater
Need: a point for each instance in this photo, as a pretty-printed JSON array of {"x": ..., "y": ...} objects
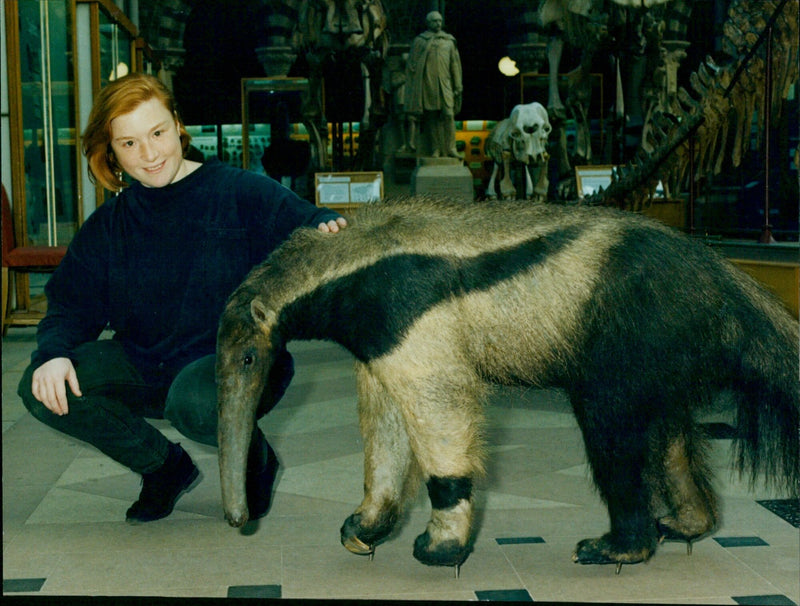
[{"x": 156, "y": 265}]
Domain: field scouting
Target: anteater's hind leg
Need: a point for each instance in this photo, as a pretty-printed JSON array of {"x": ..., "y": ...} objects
[
  {"x": 687, "y": 492},
  {"x": 388, "y": 464},
  {"x": 619, "y": 450}
]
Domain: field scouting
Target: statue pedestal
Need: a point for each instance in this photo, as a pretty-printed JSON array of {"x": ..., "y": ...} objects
[
  {"x": 442, "y": 176},
  {"x": 403, "y": 166}
]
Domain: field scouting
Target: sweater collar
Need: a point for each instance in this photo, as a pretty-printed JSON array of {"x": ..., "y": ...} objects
[{"x": 157, "y": 197}]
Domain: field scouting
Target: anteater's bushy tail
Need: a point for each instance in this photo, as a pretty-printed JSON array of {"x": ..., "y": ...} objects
[
  {"x": 767, "y": 385},
  {"x": 768, "y": 439}
]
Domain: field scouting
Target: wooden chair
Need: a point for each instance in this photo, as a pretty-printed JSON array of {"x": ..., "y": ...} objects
[{"x": 18, "y": 261}]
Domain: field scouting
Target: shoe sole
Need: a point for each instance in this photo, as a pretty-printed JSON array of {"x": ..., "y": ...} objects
[{"x": 190, "y": 483}]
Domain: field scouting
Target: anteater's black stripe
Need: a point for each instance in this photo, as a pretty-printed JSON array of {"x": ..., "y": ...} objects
[
  {"x": 447, "y": 492},
  {"x": 369, "y": 310}
]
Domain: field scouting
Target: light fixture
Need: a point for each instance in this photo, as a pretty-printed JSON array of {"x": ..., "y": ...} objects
[
  {"x": 119, "y": 71},
  {"x": 508, "y": 66}
]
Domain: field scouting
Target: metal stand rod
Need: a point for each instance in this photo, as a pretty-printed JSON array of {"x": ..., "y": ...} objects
[
  {"x": 691, "y": 184},
  {"x": 766, "y": 230}
]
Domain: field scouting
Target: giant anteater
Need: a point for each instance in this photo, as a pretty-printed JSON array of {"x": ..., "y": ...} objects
[{"x": 436, "y": 299}]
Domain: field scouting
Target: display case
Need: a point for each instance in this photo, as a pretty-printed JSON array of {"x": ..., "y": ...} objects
[
  {"x": 52, "y": 81},
  {"x": 275, "y": 102},
  {"x": 114, "y": 49},
  {"x": 42, "y": 86}
]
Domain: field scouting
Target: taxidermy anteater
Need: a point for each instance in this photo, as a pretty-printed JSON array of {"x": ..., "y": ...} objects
[{"x": 640, "y": 326}]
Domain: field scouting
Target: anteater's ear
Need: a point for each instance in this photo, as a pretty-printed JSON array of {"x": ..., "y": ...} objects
[{"x": 262, "y": 315}]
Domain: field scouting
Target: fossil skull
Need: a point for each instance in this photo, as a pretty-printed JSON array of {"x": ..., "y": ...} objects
[{"x": 530, "y": 128}]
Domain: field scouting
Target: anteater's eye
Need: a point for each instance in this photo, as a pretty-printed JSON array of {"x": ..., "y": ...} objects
[{"x": 248, "y": 359}]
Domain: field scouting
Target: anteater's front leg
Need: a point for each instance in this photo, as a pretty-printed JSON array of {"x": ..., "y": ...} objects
[
  {"x": 444, "y": 421},
  {"x": 388, "y": 464}
]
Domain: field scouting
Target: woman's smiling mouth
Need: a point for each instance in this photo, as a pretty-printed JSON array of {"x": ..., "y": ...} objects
[{"x": 155, "y": 169}]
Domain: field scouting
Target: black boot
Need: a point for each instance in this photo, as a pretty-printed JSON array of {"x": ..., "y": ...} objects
[
  {"x": 161, "y": 488},
  {"x": 262, "y": 467}
]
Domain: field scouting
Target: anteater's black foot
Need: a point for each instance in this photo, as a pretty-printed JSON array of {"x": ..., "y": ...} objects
[
  {"x": 610, "y": 550},
  {"x": 362, "y": 540},
  {"x": 447, "y": 553},
  {"x": 685, "y": 530}
]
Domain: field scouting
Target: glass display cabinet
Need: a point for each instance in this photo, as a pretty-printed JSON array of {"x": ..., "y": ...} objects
[
  {"x": 114, "y": 50},
  {"x": 266, "y": 101},
  {"x": 43, "y": 114},
  {"x": 52, "y": 81}
]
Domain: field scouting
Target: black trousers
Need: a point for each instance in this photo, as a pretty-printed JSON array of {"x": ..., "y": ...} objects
[{"x": 111, "y": 414}]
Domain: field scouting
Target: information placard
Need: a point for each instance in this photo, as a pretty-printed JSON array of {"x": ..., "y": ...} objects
[
  {"x": 590, "y": 179},
  {"x": 347, "y": 190}
]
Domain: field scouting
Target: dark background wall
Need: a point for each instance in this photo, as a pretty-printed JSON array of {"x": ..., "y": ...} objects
[{"x": 220, "y": 38}]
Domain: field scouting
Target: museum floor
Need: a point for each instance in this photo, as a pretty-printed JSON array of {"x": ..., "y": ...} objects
[{"x": 64, "y": 505}]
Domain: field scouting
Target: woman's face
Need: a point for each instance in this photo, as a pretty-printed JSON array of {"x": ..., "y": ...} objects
[{"x": 147, "y": 144}]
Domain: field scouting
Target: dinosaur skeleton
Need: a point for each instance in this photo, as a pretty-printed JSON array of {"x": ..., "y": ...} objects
[{"x": 717, "y": 118}]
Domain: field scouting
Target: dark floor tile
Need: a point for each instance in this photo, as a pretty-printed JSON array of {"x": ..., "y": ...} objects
[
  {"x": 254, "y": 591},
  {"x": 741, "y": 541},
  {"x": 764, "y": 600},
  {"x": 518, "y": 540},
  {"x": 787, "y": 509},
  {"x": 504, "y": 595},
  {"x": 22, "y": 585}
]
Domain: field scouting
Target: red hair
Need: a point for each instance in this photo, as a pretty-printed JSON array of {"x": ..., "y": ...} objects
[{"x": 120, "y": 97}]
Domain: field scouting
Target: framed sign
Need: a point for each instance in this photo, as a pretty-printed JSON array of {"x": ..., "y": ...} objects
[
  {"x": 589, "y": 179},
  {"x": 348, "y": 190}
]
